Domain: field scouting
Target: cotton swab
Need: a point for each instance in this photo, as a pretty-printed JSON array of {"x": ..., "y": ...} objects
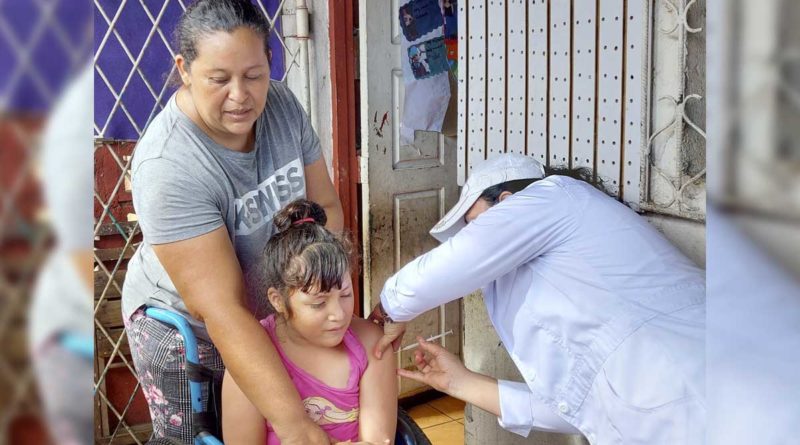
[{"x": 416, "y": 345}]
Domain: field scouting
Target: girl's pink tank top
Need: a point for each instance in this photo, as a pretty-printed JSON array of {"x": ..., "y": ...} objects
[{"x": 336, "y": 410}]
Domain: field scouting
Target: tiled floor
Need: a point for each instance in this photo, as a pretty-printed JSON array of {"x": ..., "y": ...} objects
[{"x": 442, "y": 420}]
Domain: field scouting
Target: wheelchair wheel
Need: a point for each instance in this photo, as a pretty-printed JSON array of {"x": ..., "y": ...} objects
[{"x": 408, "y": 432}]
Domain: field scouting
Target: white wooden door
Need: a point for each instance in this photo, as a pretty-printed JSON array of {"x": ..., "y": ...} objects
[{"x": 406, "y": 188}]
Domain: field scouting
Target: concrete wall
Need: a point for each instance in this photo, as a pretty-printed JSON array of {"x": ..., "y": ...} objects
[{"x": 688, "y": 236}]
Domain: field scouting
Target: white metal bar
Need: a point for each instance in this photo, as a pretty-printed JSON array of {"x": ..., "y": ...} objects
[
  {"x": 583, "y": 84},
  {"x": 477, "y": 83},
  {"x": 537, "y": 80},
  {"x": 496, "y": 73},
  {"x": 517, "y": 67},
  {"x": 635, "y": 40},
  {"x": 609, "y": 93},
  {"x": 560, "y": 59},
  {"x": 463, "y": 70}
]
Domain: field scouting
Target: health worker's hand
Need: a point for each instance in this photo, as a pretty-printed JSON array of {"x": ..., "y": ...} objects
[
  {"x": 392, "y": 331},
  {"x": 438, "y": 368}
]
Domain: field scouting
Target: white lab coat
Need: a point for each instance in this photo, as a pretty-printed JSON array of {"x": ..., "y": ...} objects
[{"x": 603, "y": 317}]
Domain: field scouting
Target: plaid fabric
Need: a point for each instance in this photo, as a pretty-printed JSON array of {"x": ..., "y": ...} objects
[{"x": 158, "y": 356}]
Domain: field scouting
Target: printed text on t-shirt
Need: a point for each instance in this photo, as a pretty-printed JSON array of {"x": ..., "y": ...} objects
[{"x": 257, "y": 207}]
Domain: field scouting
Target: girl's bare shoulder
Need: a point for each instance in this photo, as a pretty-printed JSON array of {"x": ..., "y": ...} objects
[{"x": 367, "y": 332}]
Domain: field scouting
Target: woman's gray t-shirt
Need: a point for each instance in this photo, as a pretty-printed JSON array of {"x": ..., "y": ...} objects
[{"x": 186, "y": 185}]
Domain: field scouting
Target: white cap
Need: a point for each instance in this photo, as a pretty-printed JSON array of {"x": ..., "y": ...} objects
[{"x": 497, "y": 170}]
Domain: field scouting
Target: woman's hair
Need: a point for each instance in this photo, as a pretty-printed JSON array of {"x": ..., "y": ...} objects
[
  {"x": 492, "y": 194},
  {"x": 204, "y": 17},
  {"x": 304, "y": 255}
]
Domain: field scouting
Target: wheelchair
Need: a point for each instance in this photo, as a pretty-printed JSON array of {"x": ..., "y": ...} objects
[{"x": 203, "y": 417}]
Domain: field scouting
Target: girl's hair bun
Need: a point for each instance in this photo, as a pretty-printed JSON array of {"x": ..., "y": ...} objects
[{"x": 298, "y": 213}]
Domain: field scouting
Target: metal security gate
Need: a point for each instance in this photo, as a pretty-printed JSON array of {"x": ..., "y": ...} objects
[
  {"x": 756, "y": 75},
  {"x": 610, "y": 85},
  {"x": 23, "y": 246},
  {"x": 42, "y": 44},
  {"x": 133, "y": 61}
]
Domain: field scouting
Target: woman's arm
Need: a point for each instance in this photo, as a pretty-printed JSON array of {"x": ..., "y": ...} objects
[
  {"x": 378, "y": 389},
  {"x": 513, "y": 403},
  {"x": 509, "y": 234},
  {"x": 241, "y": 421},
  {"x": 207, "y": 275},
  {"x": 320, "y": 190}
]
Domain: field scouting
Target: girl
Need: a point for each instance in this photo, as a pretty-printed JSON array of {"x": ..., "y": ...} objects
[{"x": 351, "y": 394}]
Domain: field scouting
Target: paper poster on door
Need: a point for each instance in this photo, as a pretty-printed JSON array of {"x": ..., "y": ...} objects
[
  {"x": 425, "y": 62},
  {"x": 419, "y": 17},
  {"x": 428, "y": 58}
]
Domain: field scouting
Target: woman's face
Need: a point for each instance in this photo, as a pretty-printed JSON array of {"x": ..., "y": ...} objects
[
  {"x": 482, "y": 205},
  {"x": 322, "y": 318},
  {"x": 228, "y": 82}
]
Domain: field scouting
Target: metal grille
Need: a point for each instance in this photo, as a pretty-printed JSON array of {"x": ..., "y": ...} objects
[
  {"x": 611, "y": 85},
  {"x": 674, "y": 175},
  {"x": 758, "y": 55},
  {"x": 133, "y": 62},
  {"x": 23, "y": 245},
  {"x": 559, "y": 81},
  {"x": 42, "y": 44}
]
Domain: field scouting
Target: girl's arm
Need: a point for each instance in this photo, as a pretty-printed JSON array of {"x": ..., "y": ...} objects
[
  {"x": 241, "y": 421},
  {"x": 378, "y": 389}
]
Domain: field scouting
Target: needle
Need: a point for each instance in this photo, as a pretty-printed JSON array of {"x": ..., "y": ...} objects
[{"x": 416, "y": 345}]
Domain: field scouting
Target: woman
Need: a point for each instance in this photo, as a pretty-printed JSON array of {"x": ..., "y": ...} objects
[
  {"x": 603, "y": 317},
  {"x": 228, "y": 151}
]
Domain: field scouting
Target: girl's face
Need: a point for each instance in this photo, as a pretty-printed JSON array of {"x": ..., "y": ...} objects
[
  {"x": 322, "y": 318},
  {"x": 228, "y": 82}
]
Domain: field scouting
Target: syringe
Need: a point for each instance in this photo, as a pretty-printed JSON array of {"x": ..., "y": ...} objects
[{"x": 416, "y": 345}]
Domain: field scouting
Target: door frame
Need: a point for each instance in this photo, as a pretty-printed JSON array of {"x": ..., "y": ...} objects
[{"x": 343, "y": 125}]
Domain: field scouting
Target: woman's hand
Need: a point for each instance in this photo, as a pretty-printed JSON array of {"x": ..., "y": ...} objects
[
  {"x": 438, "y": 368},
  {"x": 442, "y": 370}
]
